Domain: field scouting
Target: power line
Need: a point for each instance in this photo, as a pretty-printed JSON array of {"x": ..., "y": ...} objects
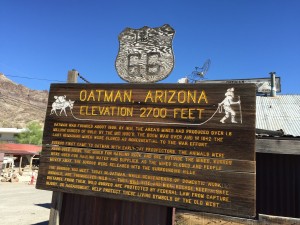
[
  {"x": 25, "y": 103},
  {"x": 35, "y": 78},
  {"x": 82, "y": 78},
  {"x": 32, "y": 78},
  {"x": 8, "y": 97}
]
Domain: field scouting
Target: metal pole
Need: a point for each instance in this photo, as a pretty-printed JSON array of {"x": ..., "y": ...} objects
[{"x": 273, "y": 84}]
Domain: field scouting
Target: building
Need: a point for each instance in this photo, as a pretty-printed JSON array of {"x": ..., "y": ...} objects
[
  {"x": 18, "y": 155},
  {"x": 278, "y": 155},
  {"x": 9, "y": 134},
  {"x": 279, "y": 113}
]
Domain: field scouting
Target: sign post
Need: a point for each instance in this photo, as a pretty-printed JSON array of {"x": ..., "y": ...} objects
[{"x": 57, "y": 197}]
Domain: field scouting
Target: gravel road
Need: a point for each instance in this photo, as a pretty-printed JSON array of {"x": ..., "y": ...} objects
[{"x": 23, "y": 204}]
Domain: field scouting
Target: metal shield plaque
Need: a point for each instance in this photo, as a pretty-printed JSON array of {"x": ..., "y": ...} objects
[{"x": 146, "y": 54}]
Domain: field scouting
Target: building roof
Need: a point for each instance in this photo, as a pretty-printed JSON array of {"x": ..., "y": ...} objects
[
  {"x": 12, "y": 130},
  {"x": 279, "y": 113},
  {"x": 20, "y": 149}
]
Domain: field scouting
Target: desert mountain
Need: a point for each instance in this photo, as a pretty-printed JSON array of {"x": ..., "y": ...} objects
[{"x": 20, "y": 105}]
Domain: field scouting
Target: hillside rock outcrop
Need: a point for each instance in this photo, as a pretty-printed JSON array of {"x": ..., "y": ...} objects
[{"x": 20, "y": 105}]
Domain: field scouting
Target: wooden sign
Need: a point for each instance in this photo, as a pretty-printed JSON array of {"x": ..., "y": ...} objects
[{"x": 179, "y": 145}]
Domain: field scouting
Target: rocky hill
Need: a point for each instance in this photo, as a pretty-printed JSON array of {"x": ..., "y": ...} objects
[{"x": 20, "y": 105}]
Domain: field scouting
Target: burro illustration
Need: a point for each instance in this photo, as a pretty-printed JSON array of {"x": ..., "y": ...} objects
[
  {"x": 145, "y": 55},
  {"x": 61, "y": 103}
]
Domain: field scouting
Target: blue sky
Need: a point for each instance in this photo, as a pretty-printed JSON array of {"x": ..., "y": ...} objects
[{"x": 242, "y": 38}]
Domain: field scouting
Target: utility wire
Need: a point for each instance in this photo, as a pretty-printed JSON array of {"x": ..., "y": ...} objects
[
  {"x": 7, "y": 97},
  {"x": 25, "y": 103},
  {"x": 82, "y": 78},
  {"x": 32, "y": 78}
]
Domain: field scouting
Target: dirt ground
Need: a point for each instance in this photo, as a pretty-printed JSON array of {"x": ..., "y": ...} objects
[{"x": 23, "y": 204}]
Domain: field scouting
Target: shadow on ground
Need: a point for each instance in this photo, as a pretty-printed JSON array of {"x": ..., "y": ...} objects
[
  {"x": 42, "y": 223},
  {"x": 45, "y": 205}
]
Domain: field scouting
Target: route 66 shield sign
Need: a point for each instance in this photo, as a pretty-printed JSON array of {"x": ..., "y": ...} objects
[{"x": 145, "y": 55}]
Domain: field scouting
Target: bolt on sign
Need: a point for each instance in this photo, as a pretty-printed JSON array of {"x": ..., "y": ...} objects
[{"x": 186, "y": 146}]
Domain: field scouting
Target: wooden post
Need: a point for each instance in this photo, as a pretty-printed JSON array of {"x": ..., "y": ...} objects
[
  {"x": 56, "y": 205},
  {"x": 30, "y": 163},
  {"x": 57, "y": 197},
  {"x": 20, "y": 166},
  {"x": 72, "y": 76}
]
